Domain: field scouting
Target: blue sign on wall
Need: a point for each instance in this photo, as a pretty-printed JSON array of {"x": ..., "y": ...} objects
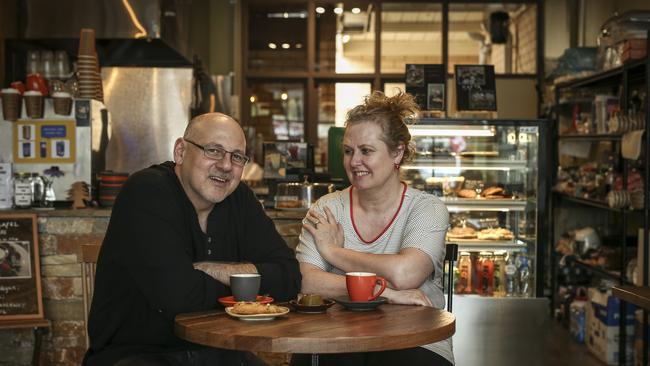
[{"x": 53, "y": 131}]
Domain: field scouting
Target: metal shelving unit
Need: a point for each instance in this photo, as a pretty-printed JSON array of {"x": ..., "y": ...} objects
[{"x": 632, "y": 73}]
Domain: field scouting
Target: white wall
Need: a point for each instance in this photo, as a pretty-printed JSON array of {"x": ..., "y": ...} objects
[{"x": 556, "y": 29}]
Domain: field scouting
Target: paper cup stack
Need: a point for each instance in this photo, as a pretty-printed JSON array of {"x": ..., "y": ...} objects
[{"x": 90, "y": 82}]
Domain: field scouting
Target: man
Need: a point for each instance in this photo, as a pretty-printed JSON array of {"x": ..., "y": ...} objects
[{"x": 177, "y": 232}]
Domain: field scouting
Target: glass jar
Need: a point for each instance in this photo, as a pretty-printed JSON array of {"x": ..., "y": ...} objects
[
  {"x": 289, "y": 196},
  {"x": 38, "y": 190},
  {"x": 23, "y": 194}
]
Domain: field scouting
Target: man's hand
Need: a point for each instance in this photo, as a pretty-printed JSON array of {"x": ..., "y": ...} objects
[
  {"x": 221, "y": 271},
  {"x": 407, "y": 297}
]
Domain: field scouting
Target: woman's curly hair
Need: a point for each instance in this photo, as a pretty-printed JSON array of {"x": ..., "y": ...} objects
[{"x": 393, "y": 114}]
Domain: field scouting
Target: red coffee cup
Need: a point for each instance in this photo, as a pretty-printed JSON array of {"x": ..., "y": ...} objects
[{"x": 361, "y": 285}]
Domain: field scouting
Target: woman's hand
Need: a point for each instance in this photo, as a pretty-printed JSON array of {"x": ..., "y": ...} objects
[
  {"x": 327, "y": 233},
  {"x": 407, "y": 297}
]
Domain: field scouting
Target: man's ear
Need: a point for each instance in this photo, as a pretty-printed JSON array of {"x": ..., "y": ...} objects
[{"x": 180, "y": 148}]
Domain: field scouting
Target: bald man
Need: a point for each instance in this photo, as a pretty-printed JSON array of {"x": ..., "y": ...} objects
[{"x": 177, "y": 232}]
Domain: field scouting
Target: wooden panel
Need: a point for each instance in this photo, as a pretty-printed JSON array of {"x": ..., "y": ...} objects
[{"x": 639, "y": 296}]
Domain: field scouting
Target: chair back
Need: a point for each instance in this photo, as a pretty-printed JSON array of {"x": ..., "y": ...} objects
[
  {"x": 451, "y": 256},
  {"x": 88, "y": 259}
]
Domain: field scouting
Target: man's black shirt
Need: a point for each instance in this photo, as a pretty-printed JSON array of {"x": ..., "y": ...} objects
[{"x": 145, "y": 274}]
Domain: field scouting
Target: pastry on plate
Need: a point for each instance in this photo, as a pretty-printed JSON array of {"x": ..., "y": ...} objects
[
  {"x": 254, "y": 308},
  {"x": 461, "y": 233},
  {"x": 495, "y": 234},
  {"x": 493, "y": 192},
  {"x": 466, "y": 193}
]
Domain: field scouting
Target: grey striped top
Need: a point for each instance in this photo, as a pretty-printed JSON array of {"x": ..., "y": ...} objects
[{"x": 421, "y": 223}]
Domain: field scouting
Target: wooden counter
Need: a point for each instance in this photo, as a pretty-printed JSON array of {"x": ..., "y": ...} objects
[{"x": 639, "y": 296}]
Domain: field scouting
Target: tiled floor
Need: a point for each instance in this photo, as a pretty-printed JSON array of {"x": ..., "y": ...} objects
[{"x": 563, "y": 350}]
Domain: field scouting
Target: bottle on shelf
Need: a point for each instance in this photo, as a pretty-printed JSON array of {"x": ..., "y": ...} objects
[
  {"x": 464, "y": 284},
  {"x": 511, "y": 276},
  {"x": 487, "y": 274},
  {"x": 523, "y": 271},
  {"x": 499, "y": 273}
]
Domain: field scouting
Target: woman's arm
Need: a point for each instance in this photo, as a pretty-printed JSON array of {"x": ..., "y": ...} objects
[
  {"x": 317, "y": 281},
  {"x": 405, "y": 270}
]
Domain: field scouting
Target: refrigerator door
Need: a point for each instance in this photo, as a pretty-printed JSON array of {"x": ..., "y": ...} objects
[{"x": 149, "y": 109}]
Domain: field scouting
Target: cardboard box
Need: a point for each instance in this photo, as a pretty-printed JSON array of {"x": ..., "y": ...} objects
[{"x": 603, "y": 327}]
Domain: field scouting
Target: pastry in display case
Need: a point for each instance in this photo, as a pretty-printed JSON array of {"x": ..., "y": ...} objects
[{"x": 487, "y": 173}]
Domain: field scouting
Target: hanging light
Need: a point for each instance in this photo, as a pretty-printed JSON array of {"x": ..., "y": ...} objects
[
  {"x": 356, "y": 10},
  {"x": 252, "y": 99},
  {"x": 320, "y": 10},
  {"x": 285, "y": 46},
  {"x": 284, "y": 96},
  {"x": 272, "y": 46},
  {"x": 338, "y": 10}
]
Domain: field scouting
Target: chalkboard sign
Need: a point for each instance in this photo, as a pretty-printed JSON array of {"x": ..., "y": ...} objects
[
  {"x": 475, "y": 88},
  {"x": 427, "y": 84},
  {"x": 20, "y": 276}
]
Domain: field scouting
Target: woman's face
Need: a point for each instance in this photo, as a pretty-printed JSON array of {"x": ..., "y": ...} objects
[{"x": 366, "y": 158}]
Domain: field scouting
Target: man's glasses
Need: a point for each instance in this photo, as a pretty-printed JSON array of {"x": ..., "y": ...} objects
[{"x": 218, "y": 153}]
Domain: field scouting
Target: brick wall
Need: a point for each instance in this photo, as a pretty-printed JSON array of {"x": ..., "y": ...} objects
[{"x": 60, "y": 235}]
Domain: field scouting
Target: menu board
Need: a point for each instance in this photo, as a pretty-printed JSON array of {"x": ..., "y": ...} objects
[
  {"x": 427, "y": 84},
  {"x": 44, "y": 141},
  {"x": 475, "y": 88},
  {"x": 20, "y": 277}
]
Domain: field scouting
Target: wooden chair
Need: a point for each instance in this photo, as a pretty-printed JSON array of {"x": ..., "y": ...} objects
[
  {"x": 451, "y": 256},
  {"x": 88, "y": 259}
]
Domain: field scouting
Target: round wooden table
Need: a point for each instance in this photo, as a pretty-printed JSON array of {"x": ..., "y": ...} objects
[{"x": 336, "y": 331}]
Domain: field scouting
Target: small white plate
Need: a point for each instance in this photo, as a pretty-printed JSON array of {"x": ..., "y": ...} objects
[{"x": 257, "y": 317}]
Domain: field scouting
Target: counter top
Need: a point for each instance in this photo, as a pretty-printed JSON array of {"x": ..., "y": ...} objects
[
  {"x": 61, "y": 212},
  {"x": 106, "y": 212}
]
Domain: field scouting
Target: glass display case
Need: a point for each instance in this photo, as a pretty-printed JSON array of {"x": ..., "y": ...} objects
[{"x": 491, "y": 176}]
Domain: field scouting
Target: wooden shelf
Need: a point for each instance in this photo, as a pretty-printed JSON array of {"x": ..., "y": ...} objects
[
  {"x": 586, "y": 137},
  {"x": 615, "y": 275},
  {"x": 639, "y": 296},
  {"x": 589, "y": 202},
  {"x": 594, "y": 79}
]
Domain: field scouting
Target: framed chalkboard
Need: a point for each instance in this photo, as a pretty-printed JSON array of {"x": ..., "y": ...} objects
[
  {"x": 475, "y": 88},
  {"x": 427, "y": 83},
  {"x": 20, "y": 275}
]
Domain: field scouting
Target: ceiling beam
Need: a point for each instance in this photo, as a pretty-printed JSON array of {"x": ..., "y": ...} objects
[{"x": 430, "y": 26}]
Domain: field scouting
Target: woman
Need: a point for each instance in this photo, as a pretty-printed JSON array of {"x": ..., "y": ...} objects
[{"x": 378, "y": 225}]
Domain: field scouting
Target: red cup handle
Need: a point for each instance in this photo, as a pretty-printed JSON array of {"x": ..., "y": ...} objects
[{"x": 382, "y": 281}]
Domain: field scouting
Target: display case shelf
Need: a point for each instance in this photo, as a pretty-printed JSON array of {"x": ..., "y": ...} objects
[
  {"x": 481, "y": 164},
  {"x": 481, "y": 204},
  {"x": 488, "y": 245}
]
